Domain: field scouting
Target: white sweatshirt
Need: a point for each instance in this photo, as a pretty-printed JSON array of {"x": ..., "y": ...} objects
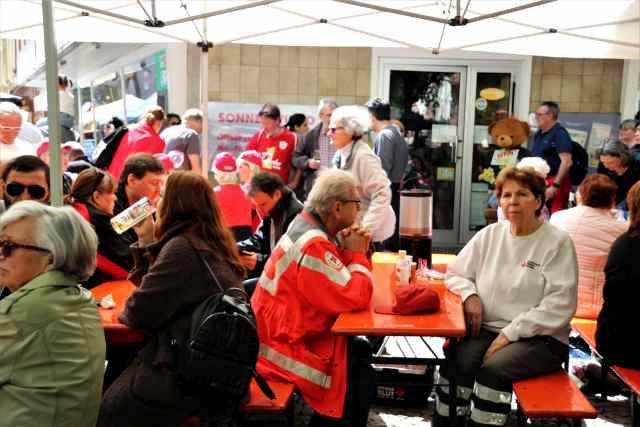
[{"x": 527, "y": 284}]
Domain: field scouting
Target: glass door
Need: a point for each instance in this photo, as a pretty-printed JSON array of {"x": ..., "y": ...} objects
[
  {"x": 429, "y": 101},
  {"x": 494, "y": 99}
]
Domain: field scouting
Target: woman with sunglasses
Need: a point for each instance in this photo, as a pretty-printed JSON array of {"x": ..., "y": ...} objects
[
  {"x": 52, "y": 347},
  {"x": 93, "y": 195},
  {"x": 355, "y": 156}
]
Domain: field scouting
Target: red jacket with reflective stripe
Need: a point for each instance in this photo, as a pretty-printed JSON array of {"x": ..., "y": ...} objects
[{"x": 306, "y": 283}]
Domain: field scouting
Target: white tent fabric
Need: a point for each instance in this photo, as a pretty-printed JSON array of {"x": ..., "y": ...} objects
[{"x": 562, "y": 28}]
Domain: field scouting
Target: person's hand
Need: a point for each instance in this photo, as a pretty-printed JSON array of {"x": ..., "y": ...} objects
[
  {"x": 145, "y": 231},
  {"x": 249, "y": 260},
  {"x": 314, "y": 164},
  {"x": 550, "y": 192},
  {"x": 473, "y": 314},
  {"x": 498, "y": 344},
  {"x": 356, "y": 238}
]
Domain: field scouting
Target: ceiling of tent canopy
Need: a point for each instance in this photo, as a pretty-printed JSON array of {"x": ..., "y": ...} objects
[{"x": 563, "y": 28}]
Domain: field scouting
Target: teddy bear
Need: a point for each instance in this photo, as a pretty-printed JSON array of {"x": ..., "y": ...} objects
[{"x": 508, "y": 136}]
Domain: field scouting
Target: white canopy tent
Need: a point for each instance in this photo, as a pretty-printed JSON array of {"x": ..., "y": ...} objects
[{"x": 561, "y": 28}]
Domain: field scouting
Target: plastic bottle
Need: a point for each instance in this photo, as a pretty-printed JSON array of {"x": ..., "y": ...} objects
[{"x": 403, "y": 269}]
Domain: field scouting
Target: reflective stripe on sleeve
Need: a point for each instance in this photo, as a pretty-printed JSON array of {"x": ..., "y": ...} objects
[
  {"x": 492, "y": 395},
  {"x": 339, "y": 277},
  {"x": 360, "y": 269}
]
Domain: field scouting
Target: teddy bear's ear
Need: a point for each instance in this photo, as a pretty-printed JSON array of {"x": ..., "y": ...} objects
[
  {"x": 525, "y": 126},
  {"x": 491, "y": 126}
]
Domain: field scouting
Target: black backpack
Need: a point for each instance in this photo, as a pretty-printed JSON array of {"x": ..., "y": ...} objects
[
  {"x": 580, "y": 163},
  {"x": 219, "y": 357}
]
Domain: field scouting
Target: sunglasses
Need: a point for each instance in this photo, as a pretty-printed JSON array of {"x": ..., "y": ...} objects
[
  {"x": 15, "y": 189},
  {"x": 7, "y": 248}
]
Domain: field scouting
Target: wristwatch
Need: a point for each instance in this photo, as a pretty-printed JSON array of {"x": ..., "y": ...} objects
[{"x": 556, "y": 185}]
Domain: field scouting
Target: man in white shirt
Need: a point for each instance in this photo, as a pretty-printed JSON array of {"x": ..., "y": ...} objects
[{"x": 10, "y": 125}]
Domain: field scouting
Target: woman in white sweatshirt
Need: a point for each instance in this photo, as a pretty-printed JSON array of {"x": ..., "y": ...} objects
[{"x": 518, "y": 283}]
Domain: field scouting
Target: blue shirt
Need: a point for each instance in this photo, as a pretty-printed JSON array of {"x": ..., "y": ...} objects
[{"x": 549, "y": 144}]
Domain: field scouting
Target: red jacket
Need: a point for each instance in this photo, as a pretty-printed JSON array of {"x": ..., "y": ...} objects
[
  {"x": 140, "y": 139},
  {"x": 276, "y": 151},
  {"x": 234, "y": 205},
  {"x": 307, "y": 282},
  {"x": 103, "y": 264}
]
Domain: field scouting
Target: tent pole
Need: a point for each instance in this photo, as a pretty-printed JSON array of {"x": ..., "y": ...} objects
[
  {"x": 79, "y": 102},
  {"x": 153, "y": 10},
  {"x": 220, "y": 12},
  {"x": 53, "y": 105},
  {"x": 204, "y": 100},
  {"x": 123, "y": 89}
]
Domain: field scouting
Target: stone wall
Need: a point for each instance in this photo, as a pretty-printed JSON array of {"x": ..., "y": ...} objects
[
  {"x": 288, "y": 75},
  {"x": 578, "y": 85}
]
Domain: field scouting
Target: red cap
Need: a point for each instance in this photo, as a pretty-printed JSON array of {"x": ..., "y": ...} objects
[
  {"x": 411, "y": 300},
  {"x": 166, "y": 161},
  {"x": 251, "y": 156},
  {"x": 44, "y": 146},
  {"x": 224, "y": 162}
]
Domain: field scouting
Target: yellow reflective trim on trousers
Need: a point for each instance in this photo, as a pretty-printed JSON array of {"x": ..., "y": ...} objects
[
  {"x": 443, "y": 409},
  {"x": 360, "y": 269},
  {"x": 463, "y": 392},
  {"x": 491, "y": 418},
  {"x": 491, "y": 395},
  {"x": 300, "y": 369}
]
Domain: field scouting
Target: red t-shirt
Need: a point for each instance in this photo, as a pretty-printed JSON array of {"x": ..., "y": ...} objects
[
  {"x": 140, "y": 139},
  {"x": 276, "y": 151},
  {"x": 234, "y": 205}
]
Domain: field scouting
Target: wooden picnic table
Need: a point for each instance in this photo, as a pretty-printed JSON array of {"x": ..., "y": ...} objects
[
  {"x": 448, "y": 321},
  {"x": 116, "y": 333}
]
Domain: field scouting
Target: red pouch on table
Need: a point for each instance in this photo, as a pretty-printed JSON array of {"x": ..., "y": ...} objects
[{"x": 412, "y": 300}]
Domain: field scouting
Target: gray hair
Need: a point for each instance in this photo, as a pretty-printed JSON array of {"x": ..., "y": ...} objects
[
  {"x": 9, "y": 109},
  {"x": 617, "y": 149},
  {"x": 193, "y": 114},
  {"x": 345, "y": 117},
  {"x": 332, "y": 185},
  {"x": 327, "y": 102},
  {"x": 226, "y": 177},
  {"x": 70, "y": 239}
]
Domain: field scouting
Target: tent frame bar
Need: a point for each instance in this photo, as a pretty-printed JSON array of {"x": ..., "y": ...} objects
[
  {"x": 394, "y": 11},
  {"x": 101, "y": 12},
  {"x": 220, "y": 12},
  {"x": 511, "y": 10}
]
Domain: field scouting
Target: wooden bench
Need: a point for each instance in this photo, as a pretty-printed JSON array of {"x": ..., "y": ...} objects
[
  {"x": 260, "y": 408},
  {"x": 552, "y": 396},
  {"x": 631, "y": 377}
]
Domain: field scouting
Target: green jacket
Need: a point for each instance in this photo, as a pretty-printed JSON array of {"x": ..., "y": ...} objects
[{"x": 52, "y": 354}]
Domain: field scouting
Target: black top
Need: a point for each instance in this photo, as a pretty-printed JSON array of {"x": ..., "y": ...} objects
[
  {"x": 616, "y": 333},
  {"x": 624, "y": 181}
]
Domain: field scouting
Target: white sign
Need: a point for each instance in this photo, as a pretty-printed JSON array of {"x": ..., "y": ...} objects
[
  {"x": 232, "y": 124},
  {"x": 444, "y": 133},
  {"x": 504, "y": 157}
]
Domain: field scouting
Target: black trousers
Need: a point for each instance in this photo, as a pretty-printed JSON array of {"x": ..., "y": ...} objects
[
  {"x": 392, "y": 244},
  {"x": 360, "y": 387},
  {"x": 484, "y": 388}
]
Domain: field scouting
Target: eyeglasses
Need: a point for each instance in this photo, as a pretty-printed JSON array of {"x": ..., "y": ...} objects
[
  {"x": 542, "y": 114},
  {"x": 334, "y": 130},
  {"x": 15, "y": 189},
  {"x": 7, "y": 247},
  {"x": 10, "y": 128},
  {"x": 357, "y": 202}
]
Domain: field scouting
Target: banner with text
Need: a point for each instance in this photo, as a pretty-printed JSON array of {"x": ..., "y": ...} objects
[{"x": 231, "y": 124}]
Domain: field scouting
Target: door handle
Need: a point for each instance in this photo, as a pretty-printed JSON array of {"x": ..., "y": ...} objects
[{"x": 459, "y": 149}]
